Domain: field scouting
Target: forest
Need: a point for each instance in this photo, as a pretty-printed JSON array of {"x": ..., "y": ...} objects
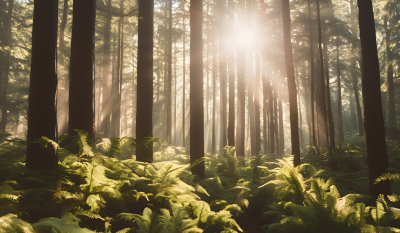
[{"x": 186, "y": 116}]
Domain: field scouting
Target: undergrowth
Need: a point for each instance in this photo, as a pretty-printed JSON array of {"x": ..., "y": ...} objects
[{"x": 104, "y": 189}]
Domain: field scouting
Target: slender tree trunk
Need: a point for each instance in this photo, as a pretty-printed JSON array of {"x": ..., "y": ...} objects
[
  {"x": 339, "y": 93},
  {"x": 265, "y": 118},
  {"x": 169, "y": 82},
  {"x": 312, "y": 91},
  {"x": 64, "y": 117},
  {"x": 271, "y": 118},
  {"x": 107, "y": 78},
  {"x": 281, "y": 133},
  {"x": 353, "y": 70},
  {"x": 329, "y": 118},
  {"x": 134, "y": 98},
  {"x": 324, "y": 124},
  {"x": 144, "y": 116},
  {"x": 43, "y": 87},
  {"x": 196, "y": 89},
  {"x": 175, "y": 128},
  {"x": 214, "y": 78},
  {"x": 4, "y": 105},
  {"x": 121, "y": 70},
  {"x": 81, "y": 88},
  {"x": 374, "y": 125},
  {"x": 294, "y": 121},
  {"x": 276, "y": 124},
  {"x": 257, "y": 104},
  {"x": 231, "y": 70},
  {"x": 222, "y": 72},
  {"x": 389, "y": 74},
  {"x": 184, "y": 81},
  {"x": 251, "y": 107}
]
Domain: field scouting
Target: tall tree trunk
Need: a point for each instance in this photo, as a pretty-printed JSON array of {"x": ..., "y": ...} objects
[
  {"x": 231, "y": 70},
  {"x": 184, "y": 81},
  {"x": 175, "y": 128},
  {"x": 271, "y": 118},
  {"x": 106, "y": 84},
  {"x": 81, "y": 88},
  {"x": 265, "y": 118},
  {"x": 257, "y": 104},
  {"x": 134, "y": 98},
  {"x": 251, "y": 110},
  {"x": 4, "y": 87},
  {"x": 169, "y": 81},
  {"x": 312, "y": 91},
  {"x": 324, "y": 124},
  {"x": 222, "y": 72},
  {"x": 196, "y": 89},
  {"x": 374, "y": 125},
  {"x": 331, "y": 129},
  {"x": 144, "y": 116},
  {"x": 276, "y": 124},
  {"x": 353, "y": 70},
  {"x": 64, "y": 117},
  {"x": 281, "y": 133},
  {"x": 339, "y": 93},
  {"x": 115, "y": 117},
  {"x": 389, "y": 74},
  {"x": 121, "y": 70},
  {"x": 214, "y": 78},
  {"x": 43, "y": 87},
  {"x": 241, "y": 98},
  {"x": 294, "y": 121}
]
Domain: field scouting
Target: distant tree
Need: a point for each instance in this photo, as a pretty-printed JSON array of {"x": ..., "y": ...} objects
[
  {"x": 291, "y": 83},
  {"x": 106, "y": 82},
  {"x": 4, "y": 79},
  {"x": 312, "y": 92},
  {"x": 374, "y": 125},
  {"x": 144, "y": 116},
  {"x": 81, "y": 72},
  {"x": 42, "y": 115},
  {"x": 231, "y": 70},
  {"x": 196, "y": 89}
]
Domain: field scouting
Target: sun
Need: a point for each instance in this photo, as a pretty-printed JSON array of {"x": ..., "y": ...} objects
[{"x": 244, "y": 38}]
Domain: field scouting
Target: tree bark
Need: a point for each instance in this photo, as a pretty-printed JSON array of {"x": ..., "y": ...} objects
[
  {"x": 184, "y": 80},
  {"x": 374, "y": 125},
  {"x": 43, "y": 87},
  {"x": 107, "y": 79},
  {"x": 389, "y": 74},
  {"x": 169, "y": 81},
  {"x": 144, "y": 116},
  {"x": 4, "y": 104},
  {"x": 339, "y": 93},
  {"x": 312, "y": 91},
  {"x": 294, "y": 121},
  {"x": 196, "y": 89},
  {"x": 81, "y": 88},
  {"x": 231, "y": 70}
]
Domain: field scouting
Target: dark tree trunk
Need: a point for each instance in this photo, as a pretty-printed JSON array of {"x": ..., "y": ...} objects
[
  {"x": 4, "y": 105},
  {"x": 168, "y": 90},
  {"x": 265, "y": 118},
  {"x": 339, "y": 93},
  {"x": 144, "y": 116},
  {"x": 81, "y": 72},
  {"x": 222, "y": 72},
  {"x": 353, "y": 69},
  {"x": 214, "y": 89},
  {"x": 241, "y": 95},
  {"x": 43, "y": 86},
  {"x": 374, "y": 125},
  {"x": 276, "y": 124},
  {"x": 231, "y": 70},
  {"x": 281, "y": 133},
  {"x": 257, "y": 104},
  {"x": 324, "y": 124},
  {"x": 389, "y": 74},
  {"x": 107, "y": 79},
  {"x": 329, "y": 118},
  {"x": 271, "y": 117},
  {"x": 312, "y": 92},
  {"x": 196, "y": 89},
  {"x": 63, "y": 119},
  {"x": 251, "y": 110},
  {"x": 175, "y": 128},
  {"x": 184, "y": 81},
  {"x": 294, "y": 121}
]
